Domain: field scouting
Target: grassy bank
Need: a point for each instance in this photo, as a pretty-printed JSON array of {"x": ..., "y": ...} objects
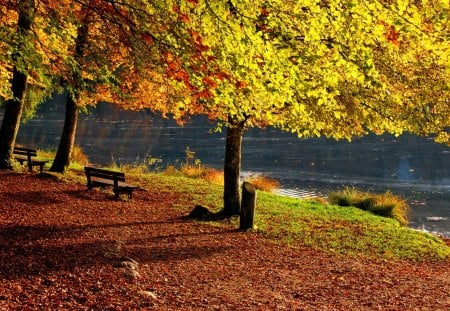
[
  {"x": 343, "y": 230},
  {"x": 349, "y": 231}
]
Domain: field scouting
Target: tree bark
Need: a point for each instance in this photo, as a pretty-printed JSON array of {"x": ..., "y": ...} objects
[
  {"x": 247, "y": 214},
  {"x": 11, "y": 119},
  {"x": 64, "y": 153},
  {"x": 65, "y": 147},
  {"x": 14, "y": 106},
  {"x": 232, "y": 169}
]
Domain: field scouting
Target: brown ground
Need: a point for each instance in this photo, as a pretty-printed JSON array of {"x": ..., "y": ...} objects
[{"x": 66, "y": 248}]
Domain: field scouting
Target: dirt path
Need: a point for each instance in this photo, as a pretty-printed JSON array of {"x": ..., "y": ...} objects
[{"x": 62, "y": 247}]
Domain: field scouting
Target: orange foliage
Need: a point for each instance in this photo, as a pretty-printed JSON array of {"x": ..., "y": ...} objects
[{"x": 392, "y": 35}]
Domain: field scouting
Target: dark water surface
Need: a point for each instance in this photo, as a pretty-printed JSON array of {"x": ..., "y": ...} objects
[{"x": 416, "y": 168}]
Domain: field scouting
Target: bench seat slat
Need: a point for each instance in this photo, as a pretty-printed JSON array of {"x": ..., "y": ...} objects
[
  {"x": 94, "y": 170},
  {"x": 109, "y": 182},
  {"x": 107, "y": 176}
]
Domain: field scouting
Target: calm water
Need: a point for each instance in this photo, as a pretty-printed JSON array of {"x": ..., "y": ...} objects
[{"x": 415, "y": 168}]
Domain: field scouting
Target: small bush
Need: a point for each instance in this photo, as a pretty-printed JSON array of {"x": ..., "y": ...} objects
[
  {"x": 44, "y": 153},
  {"x": 386, "y": 205},
  {"x": 193, "y": 168},
  {"x": 344, "y": 201},
  {"x": 366, "y": 204},
  {"x": 192, "y": 171},
  {"x": 78, "y": 156},
  {"x": 214, "y": 176},
  {"x": 138, "y": 167},
  {"x": 170, "y": 170},
  {"x": 263, "y": 183}
]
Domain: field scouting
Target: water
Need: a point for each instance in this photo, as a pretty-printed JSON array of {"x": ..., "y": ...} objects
[{"x": 415, "y": 168}]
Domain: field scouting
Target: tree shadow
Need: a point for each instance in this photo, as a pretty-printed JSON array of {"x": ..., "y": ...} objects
[
  {"x": 34, "y": 198},
  {"x": 98, "y": 194},
  {"x": 91, "y": 195},
  {"x": 26, "y": 251},
  {"x": 178, "y": 253},
  {"x": 42, "y": 250},
  {"x": 201, "y": 213}
]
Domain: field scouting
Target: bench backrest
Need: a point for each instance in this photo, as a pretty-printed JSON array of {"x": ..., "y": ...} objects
[
  {"x": 25, "y": 151},
  {"x": 106, "y": 174}
]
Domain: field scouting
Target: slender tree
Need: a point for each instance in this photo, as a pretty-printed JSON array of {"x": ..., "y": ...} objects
[
  {"x": 113, "y": 73},
  {"x": 67, "y": 141}
]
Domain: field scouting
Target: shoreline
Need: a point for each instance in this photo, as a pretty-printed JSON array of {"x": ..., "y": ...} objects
[{"x": 416, "y": 223}]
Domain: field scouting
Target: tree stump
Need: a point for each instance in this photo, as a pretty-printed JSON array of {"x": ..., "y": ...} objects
[{"x": 248, "y": 206}]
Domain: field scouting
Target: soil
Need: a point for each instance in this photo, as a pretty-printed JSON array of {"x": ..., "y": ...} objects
[{"x": 66, "y": 248}]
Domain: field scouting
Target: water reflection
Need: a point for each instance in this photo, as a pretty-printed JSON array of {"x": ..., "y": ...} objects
[
  {"x": 405, "y": 171},
  {"x": 414, "y": 167}
]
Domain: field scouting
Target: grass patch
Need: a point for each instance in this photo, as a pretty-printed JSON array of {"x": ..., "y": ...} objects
[
  {"x": 386, "y": 204},
  {"x": 347, "y": 231},
  {"x": 350, "y": 231}
]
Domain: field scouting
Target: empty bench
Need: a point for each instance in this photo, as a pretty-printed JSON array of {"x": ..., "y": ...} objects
[
  {"x": 28, "y": 156},
  {"x": 97, "y": 177}
]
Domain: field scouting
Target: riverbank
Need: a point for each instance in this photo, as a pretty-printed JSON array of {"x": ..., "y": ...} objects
[
  {"x": 63, "y": 247},
  {"x": 419, "y": 215},
  {"x": 415, "y": 168},
  {"x": 430, "y": 209}
]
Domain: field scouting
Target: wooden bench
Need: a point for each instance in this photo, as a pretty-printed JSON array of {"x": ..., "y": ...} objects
[
  {"x": 28, "y": 155},
  {"x": 97, "y": 177}
]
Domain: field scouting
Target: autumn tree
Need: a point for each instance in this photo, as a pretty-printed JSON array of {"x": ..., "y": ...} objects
[
  {"x": 338, "y": 69},
  {"x": 96, "y": 50},
  {"x": 15, "y": 70},
  {"x": 31, "y": 52},
  {"x": 122, "y": 52}
]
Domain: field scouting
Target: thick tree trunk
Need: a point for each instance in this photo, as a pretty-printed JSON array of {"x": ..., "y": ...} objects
[
  {"x": 14, "y": 106},
  {"x": 64, "y": 153},
  {"x": 11, "y": 119},
  {"x": 232, "y": 169}
]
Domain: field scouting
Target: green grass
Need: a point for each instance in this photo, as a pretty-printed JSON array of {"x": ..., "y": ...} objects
[{"x": 347, "y": 231}]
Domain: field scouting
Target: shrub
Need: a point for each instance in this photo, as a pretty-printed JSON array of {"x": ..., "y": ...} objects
[
  {"x": 214, "y": 176},
  {"x": 366, "y": 204},
  {"x": 386, "y": 205},
  {"x": 78, "y": 156},
  {"x": 139, "y": 166},
  {"x": 263, "y": 183}
]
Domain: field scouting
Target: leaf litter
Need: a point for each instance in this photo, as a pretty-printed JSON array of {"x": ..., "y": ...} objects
[{"x": 64, "y": 247}]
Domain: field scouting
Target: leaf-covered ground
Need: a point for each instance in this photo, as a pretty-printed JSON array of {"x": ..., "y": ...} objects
[{"x": 63, "y": 247}]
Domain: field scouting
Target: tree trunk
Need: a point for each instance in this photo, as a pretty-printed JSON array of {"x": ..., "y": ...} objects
[
  {"x": 64, "y": 153},
  {"x": 247, "y": 215},
  {"x": 14, "y": 106},
  {"x": 11, "y": 119},
  {"x": 232, "y": 169}
]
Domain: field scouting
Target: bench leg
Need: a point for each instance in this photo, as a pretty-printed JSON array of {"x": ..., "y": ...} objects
[{"x": 116, "y": 194}]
